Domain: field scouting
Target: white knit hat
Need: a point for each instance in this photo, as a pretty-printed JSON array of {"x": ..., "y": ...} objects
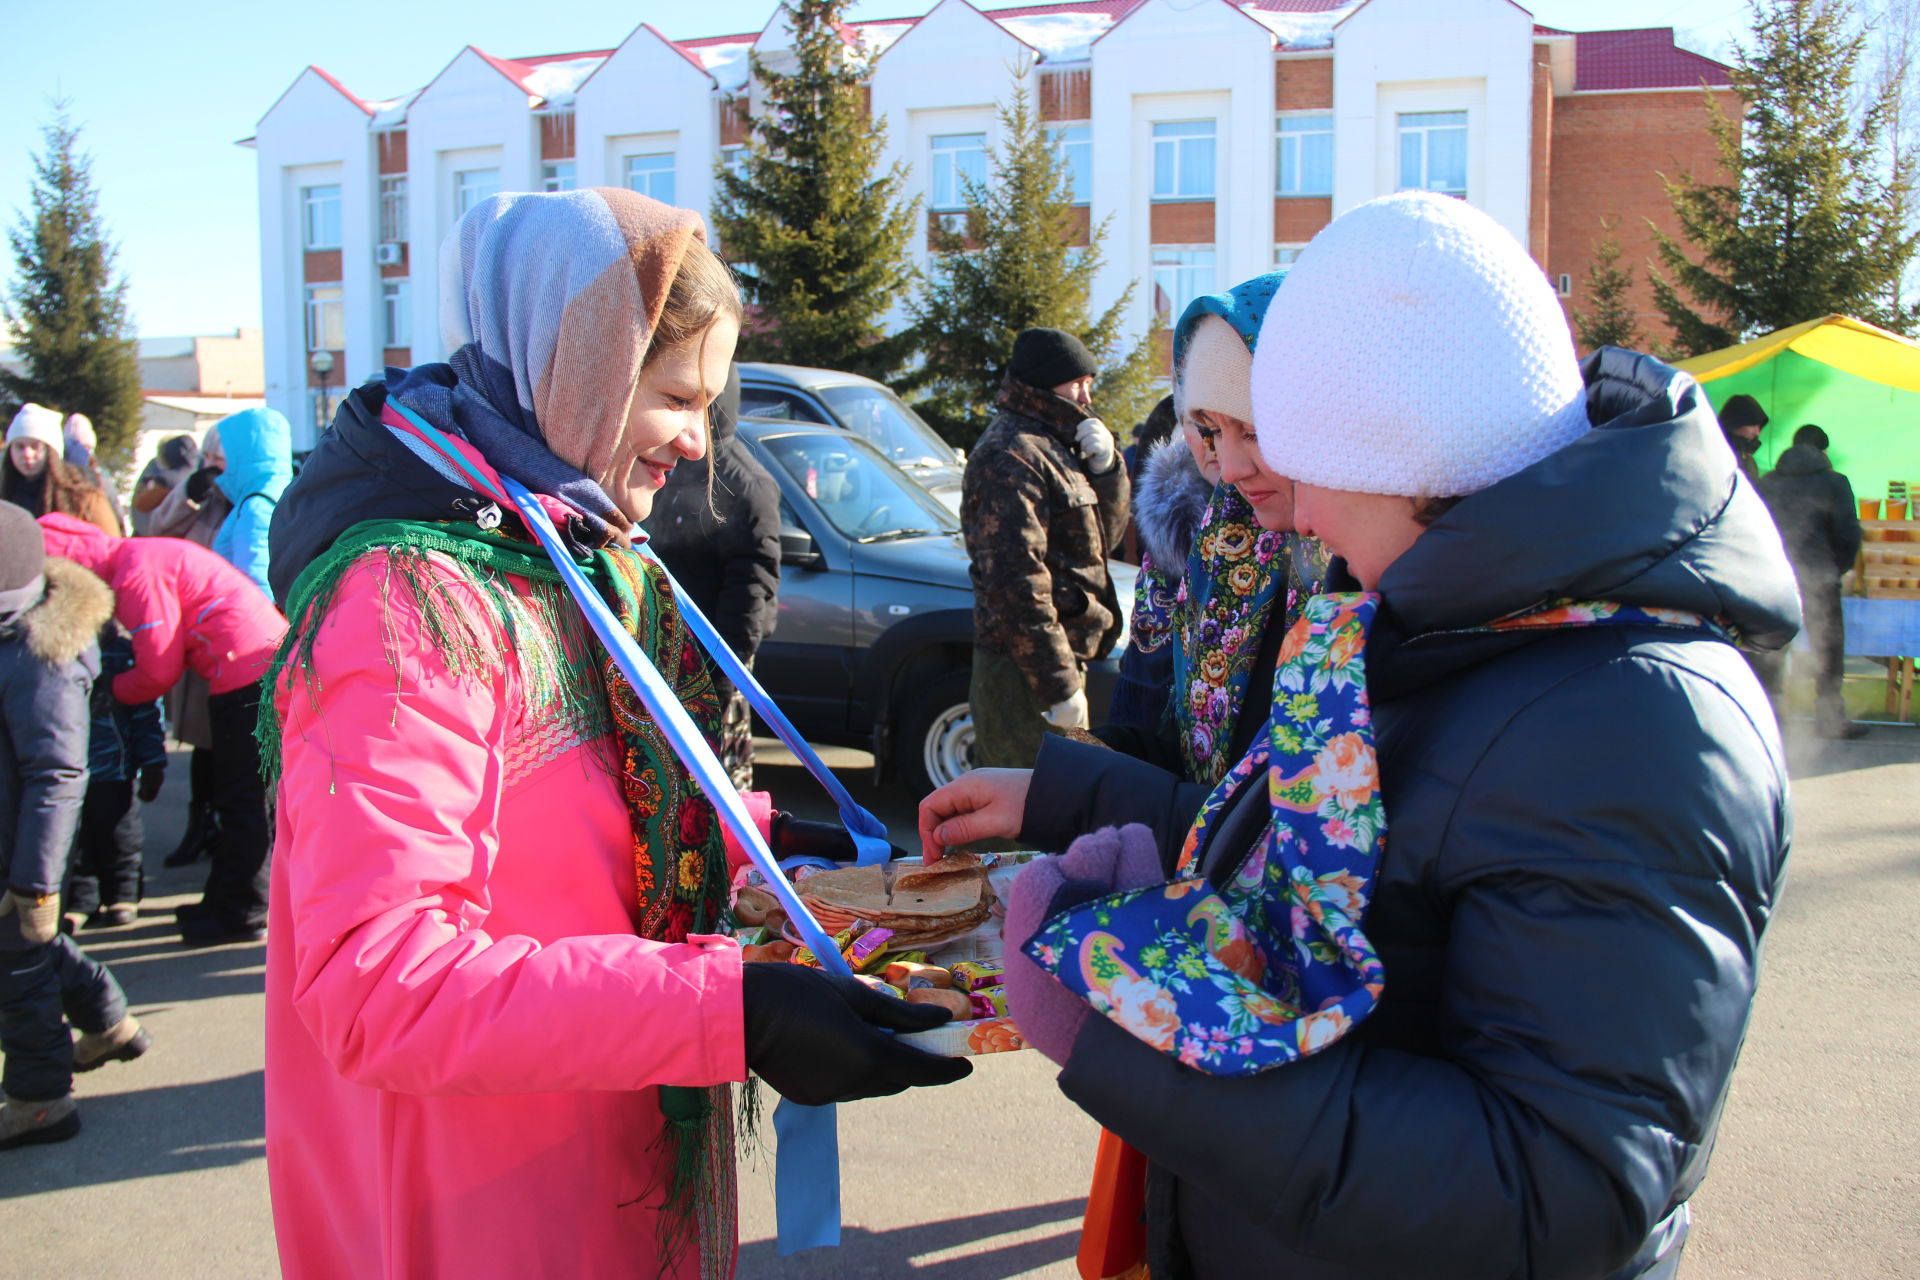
[
  {"x": 1416, "y": 350},
  {"x": 1216, "y": 372},
  {"x": 79, "y": 429},
  {"x": 37, "y": 422}
]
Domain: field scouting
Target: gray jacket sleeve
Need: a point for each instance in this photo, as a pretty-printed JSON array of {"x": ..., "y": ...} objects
[
  {"x": 1600, "y": 967},
  {"x": 48, "y": 722}
]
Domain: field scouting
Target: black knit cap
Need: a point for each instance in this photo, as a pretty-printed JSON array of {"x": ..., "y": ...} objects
[
  {"x": 1742, "y": 411},
  {"x": 1049, "y": 357},
  {"x": 23, "y": 551}
]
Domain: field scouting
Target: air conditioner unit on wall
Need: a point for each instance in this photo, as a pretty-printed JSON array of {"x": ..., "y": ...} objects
[{"x": 389, "y": 255}]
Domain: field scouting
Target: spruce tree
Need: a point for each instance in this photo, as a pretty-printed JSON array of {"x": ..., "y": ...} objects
[
  {"x": 821, "y": 234},
  {"x": 1611, "y": 320},
  {"x": 67, "y": 312},
  {"x": 1014, "y": 267},
  {"x": 1812, "y": 219}
]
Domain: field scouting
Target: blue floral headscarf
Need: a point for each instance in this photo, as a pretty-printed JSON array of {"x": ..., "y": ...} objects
[{"x": 1235, "y": 573}]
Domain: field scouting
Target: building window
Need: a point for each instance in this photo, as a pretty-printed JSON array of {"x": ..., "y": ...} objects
[
  {"x": 733, "y": 159},
  {"x": 652, "y": 175},
  {"x": 320, "y": 217},
  {"x": 471, "y": 186},
  {"x": 326, "y": 318},
  {"x": 1181, "y": 273},
  {"x": 1433, "y": 152},
  {"x": 958, "y": 158},
  {"x": 1074, "y": 143},
  {"x": 1284, "y": 255},
  {"x": 393, "y": 210},
  {"x": 1305, "y": 159},
  {"x": 556, "y": 175},
  {"x": 396, "y": 312},
  {"x": 1183, "y": 160}
]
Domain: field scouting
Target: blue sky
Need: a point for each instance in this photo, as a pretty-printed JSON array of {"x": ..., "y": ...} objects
[{"x": 163, "y": 92}]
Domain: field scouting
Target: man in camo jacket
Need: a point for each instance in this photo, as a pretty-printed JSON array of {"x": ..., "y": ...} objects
[{"x": 1044, "y": 504}]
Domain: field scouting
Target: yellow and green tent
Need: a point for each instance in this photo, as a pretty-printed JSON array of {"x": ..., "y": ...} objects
[{"x": 1860, "y": 382}]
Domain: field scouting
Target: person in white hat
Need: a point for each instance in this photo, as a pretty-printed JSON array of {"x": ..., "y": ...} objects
[
  {"x": 1458, "y": 959},
  {"x": 34, "y": 473}
]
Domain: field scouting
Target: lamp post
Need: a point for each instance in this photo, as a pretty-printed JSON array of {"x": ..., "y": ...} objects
[{"x": 322, "y": 364}]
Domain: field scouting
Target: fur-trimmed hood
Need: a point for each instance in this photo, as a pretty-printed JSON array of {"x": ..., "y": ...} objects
[
  {"x": 67, "y": 619},
  {"x": 1168, "y": 505}
]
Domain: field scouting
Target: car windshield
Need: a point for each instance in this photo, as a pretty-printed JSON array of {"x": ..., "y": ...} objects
[
  {"x": 886, "y": 422},
  {"x": 861, "y": 494}
]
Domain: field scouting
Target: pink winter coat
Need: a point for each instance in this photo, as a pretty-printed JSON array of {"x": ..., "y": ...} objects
[
  {"x": 464, "y": 1033},
  {"x": 185, "y": 606}
]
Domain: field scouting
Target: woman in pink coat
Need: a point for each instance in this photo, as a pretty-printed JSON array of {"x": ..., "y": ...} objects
[
  {"x": 189, "y": 610},
  {"x": 502, "y": 1011}
]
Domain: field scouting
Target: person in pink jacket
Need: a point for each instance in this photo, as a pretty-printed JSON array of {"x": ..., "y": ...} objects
[
  {"x": 503, "y": 1010},
  {"x": 189, "y": 610}
]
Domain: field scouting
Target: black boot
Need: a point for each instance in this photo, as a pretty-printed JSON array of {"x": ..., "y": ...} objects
[{"x": 197, "y": 838}]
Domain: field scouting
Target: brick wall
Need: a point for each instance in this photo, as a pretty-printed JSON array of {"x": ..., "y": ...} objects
[
  {"x": 556, "y": 136},
  {"x": 1066, "y": 94},
  {"x": 1297, "y": 218},
  {"x": 321, "y": 266},
  {"x": 733, "y": 120},
  {"x": 1181, "y": 222},
  {"x": 393, "y": 151},
  {"x": 1608, "y": 152},
  {"x": 1303, "y": 84},
  {"x": 399, "y": 270}
]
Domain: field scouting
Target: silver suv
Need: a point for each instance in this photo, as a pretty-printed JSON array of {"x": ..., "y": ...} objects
[
  {"x": 874, "y": 645},
  {"x": 792, "y": 393}
]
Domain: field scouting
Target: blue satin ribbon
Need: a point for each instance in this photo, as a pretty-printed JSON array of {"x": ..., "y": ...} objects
[
  {"x": 869, "y": 834},
  {"x": 807, "y": 1157},
  {"x": 806, "y": 1172}
]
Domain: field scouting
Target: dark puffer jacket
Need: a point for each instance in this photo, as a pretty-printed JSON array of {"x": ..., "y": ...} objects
[
  {"x": 1813, "y": 505},
  {"x": 48, "y": 661},
  {"x": 724, "y": 549},
  {"x": 1587, "y": 831},
  {"x": 1039, "y": 530}
]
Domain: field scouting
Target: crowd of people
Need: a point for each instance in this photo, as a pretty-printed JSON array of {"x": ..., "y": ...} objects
[
  {"x": 112, "y": 637},
  {"x": 1405, "y": 562}
]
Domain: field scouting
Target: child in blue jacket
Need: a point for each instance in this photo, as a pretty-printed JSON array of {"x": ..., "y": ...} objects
[{"x": 124, "y": 743}]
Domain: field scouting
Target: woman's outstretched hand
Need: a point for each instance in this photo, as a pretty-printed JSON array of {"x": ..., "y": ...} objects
[
  {"x": 817, "y": 1037},
  {"x": 986, "y": 804}
]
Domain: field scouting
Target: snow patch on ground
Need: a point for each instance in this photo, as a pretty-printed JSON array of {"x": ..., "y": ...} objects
[
  {"x": 1300, "y": 30},
  {"x": 557, "y": 82},
  {"x": 1060, "y": 37}
]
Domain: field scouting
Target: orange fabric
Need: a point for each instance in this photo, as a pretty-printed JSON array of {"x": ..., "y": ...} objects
[{"x": 1113, "y": 1239}]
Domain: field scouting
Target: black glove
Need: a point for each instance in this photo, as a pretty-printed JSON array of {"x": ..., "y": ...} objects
[
  {"x": 200, "y": 483},
  {"x": 791, "y": 837},
  {"x": 817, "y": 1037},
  {"x": 152, "y": 778}
]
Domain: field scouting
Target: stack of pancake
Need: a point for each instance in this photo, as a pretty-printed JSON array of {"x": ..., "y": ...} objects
[{"x": 928, "y": 905}]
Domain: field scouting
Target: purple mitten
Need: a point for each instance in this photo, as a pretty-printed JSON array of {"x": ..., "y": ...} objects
[{"x": 1107, "y": 861}]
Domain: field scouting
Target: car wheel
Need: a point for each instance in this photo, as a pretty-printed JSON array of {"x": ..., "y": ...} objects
[{"x": 933, "y": 736}]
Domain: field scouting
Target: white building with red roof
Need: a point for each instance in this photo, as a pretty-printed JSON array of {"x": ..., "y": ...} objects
[{"x": 1213, "y": 137}]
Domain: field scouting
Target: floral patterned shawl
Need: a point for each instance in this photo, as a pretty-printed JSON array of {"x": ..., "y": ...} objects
[
  {"x": 1235, "y": 575},
  {"x": 1273, "y": 964}
]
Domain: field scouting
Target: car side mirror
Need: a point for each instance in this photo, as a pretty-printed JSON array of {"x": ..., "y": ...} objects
[{"x": 797, "y": 548}]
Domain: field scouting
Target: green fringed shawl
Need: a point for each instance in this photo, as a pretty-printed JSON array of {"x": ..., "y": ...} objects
[{"x": 679, "y": 860}]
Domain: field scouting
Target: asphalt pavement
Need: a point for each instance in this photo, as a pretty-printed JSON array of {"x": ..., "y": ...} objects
[{"x": 1817, "y": 1173}]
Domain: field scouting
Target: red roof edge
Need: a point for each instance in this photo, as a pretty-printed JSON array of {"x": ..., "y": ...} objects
[
  {"x": 344, "y": 91},
  {"x": 673, "y": 45}
]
